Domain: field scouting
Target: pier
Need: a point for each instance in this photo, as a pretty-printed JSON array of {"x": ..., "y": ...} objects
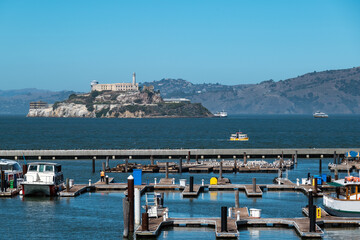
[{"x": 146, "y": 154}]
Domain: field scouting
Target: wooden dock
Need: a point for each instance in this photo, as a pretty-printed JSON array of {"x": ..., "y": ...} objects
[
  {"x": 74, "y": 191},
  {"x": 249, "y": 191},
  {"x": 194, "y": 193},
  {"x": 10, "y": 193}
]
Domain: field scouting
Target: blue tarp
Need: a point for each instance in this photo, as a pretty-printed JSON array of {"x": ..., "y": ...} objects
[{"x": 352, "y": 154}]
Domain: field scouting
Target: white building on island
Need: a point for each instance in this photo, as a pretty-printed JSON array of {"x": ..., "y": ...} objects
[{"x": 133, "y": 86}]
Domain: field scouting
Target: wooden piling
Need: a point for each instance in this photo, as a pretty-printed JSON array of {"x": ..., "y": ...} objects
[
  {"x": 296, "y": 157},
  {"x": 180, "y": 165},
  {"x": 93, "y": 164},
  {"x": 336, "y": 174},
  {"x": 2, "y": 181},
  {"x": 245, "y": 160},
  {"x": 126, "y": 212},
  {"x": 312, "y": 212},
  {"x": 152, "y": 160},
  {"x": 107, "y": 179},
  {"x": 223, "y": 219},
  {"x": 167, "y": 170},
  {"x": 191, "y": 184},
  {"x": 126, "y": 165},
  {"x": 254, "y": 185},
  {"x": 221, "y": 170},
  {"x": 103, "y": 166},
  {"x": 320, "y": 166},
  {"x": 188, "y": 157},
  {"x": 145, "y": 222},
  {"x": 237, "y": 205},
  {"x": 235, "y": 165},
  {"x": 67, "y": 184},
  {"x": 24, "y": 167},
  {"x": 131, "y": 202},
  {"x": 315, "y": 185},
  {"x": 107, "y": 163},
  {"x": 334, "y": 157},
  {"x": 197, "y": 158}
]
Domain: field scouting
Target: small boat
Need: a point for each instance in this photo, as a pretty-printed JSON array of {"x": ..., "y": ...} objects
[
  {"x": 319, "y": 114},
  {"x": 239, "y": 136},
  {"x": 43, "y": 178},
  {"x": 346, "y": 201},
  {"x": 221, "y": 114},
  {"x": 12, "y": 170}
]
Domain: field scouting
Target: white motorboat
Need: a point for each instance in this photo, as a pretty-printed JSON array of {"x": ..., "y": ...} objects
[
  {"x": 12, "y": 170},
  {"x": 346, "y": 201},
  {"x": 320, "y": 115},
  {"x": 43, "y": 178}
]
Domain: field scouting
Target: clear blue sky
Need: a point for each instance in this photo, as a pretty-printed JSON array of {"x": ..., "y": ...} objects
[{"x": 65, "y": 44}]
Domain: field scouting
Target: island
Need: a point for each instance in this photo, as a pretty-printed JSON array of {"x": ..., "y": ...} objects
[{"x": 119, "y": 100}]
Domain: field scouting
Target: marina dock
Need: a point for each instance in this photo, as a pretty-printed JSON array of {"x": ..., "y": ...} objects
[{"x": 146, "y": 154}]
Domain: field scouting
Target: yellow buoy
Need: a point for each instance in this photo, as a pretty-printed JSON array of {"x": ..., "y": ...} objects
[{"x": 213, "y": 181}]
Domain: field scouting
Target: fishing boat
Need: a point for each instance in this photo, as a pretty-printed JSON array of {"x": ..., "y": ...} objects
[
  {"x": 239, "y": 136},
  {"x": 221, "y": 114},
  {"x": 346, "y": 201},
  {"x": 43, "y": 178},
  {"x": 319, "y": 114}
]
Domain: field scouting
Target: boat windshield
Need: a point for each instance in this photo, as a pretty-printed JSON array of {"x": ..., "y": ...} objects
[
  {"x": 46, "y": 168},
  {"x": 32, "y": 168},
  {"x": 11, "y": 167}
]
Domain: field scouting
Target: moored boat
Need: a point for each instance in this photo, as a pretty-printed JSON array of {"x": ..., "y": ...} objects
[
  {"x": 239, "y": 136},
  {"x": 12, "y": 170},
  {"x": 346, "y": 201},
  {"x": 43, "y": 178}
]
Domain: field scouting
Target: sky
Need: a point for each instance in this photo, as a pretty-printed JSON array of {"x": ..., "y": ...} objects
[{"x": 63, "y": 45}]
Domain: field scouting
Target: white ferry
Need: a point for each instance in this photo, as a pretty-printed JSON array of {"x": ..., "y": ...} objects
[
  {"x": 346, "y": 201},
  {"x": 320, "y": 115},
  {"x": 221, "y": 114},
  {"x": 239, "y": 136},
  {"x": 43, "y": 178}
]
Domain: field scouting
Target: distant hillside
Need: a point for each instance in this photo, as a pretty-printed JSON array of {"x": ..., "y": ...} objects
[
  {"x": 17, "y": 101},
  {"x": 333, "y": 91}
]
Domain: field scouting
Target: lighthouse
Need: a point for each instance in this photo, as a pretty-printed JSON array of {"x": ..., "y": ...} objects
[{"x": 134, "y": 79}]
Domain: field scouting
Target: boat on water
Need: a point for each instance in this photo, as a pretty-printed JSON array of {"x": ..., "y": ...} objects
[
  {"x": 319, "y": 114},
  {"x": 239, "y": 136},
  {"x": 12, "y": 170},
  {"x": 346, "y": 201},
  {"x": 43, "y": 178},
  {"x": 221, "y": 114}
]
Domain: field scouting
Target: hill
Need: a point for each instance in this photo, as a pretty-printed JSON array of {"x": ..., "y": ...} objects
[{"x": 332, "y": 91}]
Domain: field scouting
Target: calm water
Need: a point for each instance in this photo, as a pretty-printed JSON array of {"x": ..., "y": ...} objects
[{"x": 99, "y": 215}]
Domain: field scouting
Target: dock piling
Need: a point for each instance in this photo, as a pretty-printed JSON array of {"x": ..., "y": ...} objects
[
  {"x": 336, "y": 173},
  {"x": 254, "y": 185},
  {"x": 223, "y": 219},
  {"x": 67, "y": 184},
  {"x": 24, "y": 167},
  {"x": 107, "y": 163},
  {"x": 180, "y": 165},
  {"x": 221, "y": 170},
  {"x": 126, "y": 165},
  {"x": 191, "y": 184},
  {"x": 93, "y": 164},
  {"x": 311, "y": 209},
  {"x": 152, "y": 160},
  {"x": 197, "y": 158},
  {"x": 188, "y": 157},
  {"x": 131, "y": 202},
  {"x": 167, "y": 170},
  {"x": 237, "y": 205},
  {"x": 334, "y": 157},
  {"x": 320, "y": 166},
  {"x": 245, "y": 160},
  {"x": 107, "y": 179},
  {"x": 235, "y": 165},
  {"x": 137, "y": 206},
  {"x": 296, "y": 157},
  {"x": 126, "y": 212},
  {"x": 103, "y": 166},
  {"x": 2, "y": 181},
  {"x": 145, "y": 222}
]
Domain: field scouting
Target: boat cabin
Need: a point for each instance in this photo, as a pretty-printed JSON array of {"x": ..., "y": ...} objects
[
  {"x": 12, "y": 169},
  {"x": 44, "y": 172}
]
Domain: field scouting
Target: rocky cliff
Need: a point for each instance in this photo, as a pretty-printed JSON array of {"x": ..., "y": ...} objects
[{"x": 110, "y": 104}]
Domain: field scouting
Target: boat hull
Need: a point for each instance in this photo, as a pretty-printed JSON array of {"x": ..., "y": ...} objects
[
  {"x": 342, "y": 207},
  {"x": 40, "y": 189}
]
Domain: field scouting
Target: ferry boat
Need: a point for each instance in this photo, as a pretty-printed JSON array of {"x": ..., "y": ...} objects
[
  {"x": 221, "y": 114},
  {"x": 239, "y": 136},
  {"x": 43, "y": 178},
  {"x": 12, "y": 169},
  {"x": 319, "y": 114},
  {"x": 346, "y": 201}
]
